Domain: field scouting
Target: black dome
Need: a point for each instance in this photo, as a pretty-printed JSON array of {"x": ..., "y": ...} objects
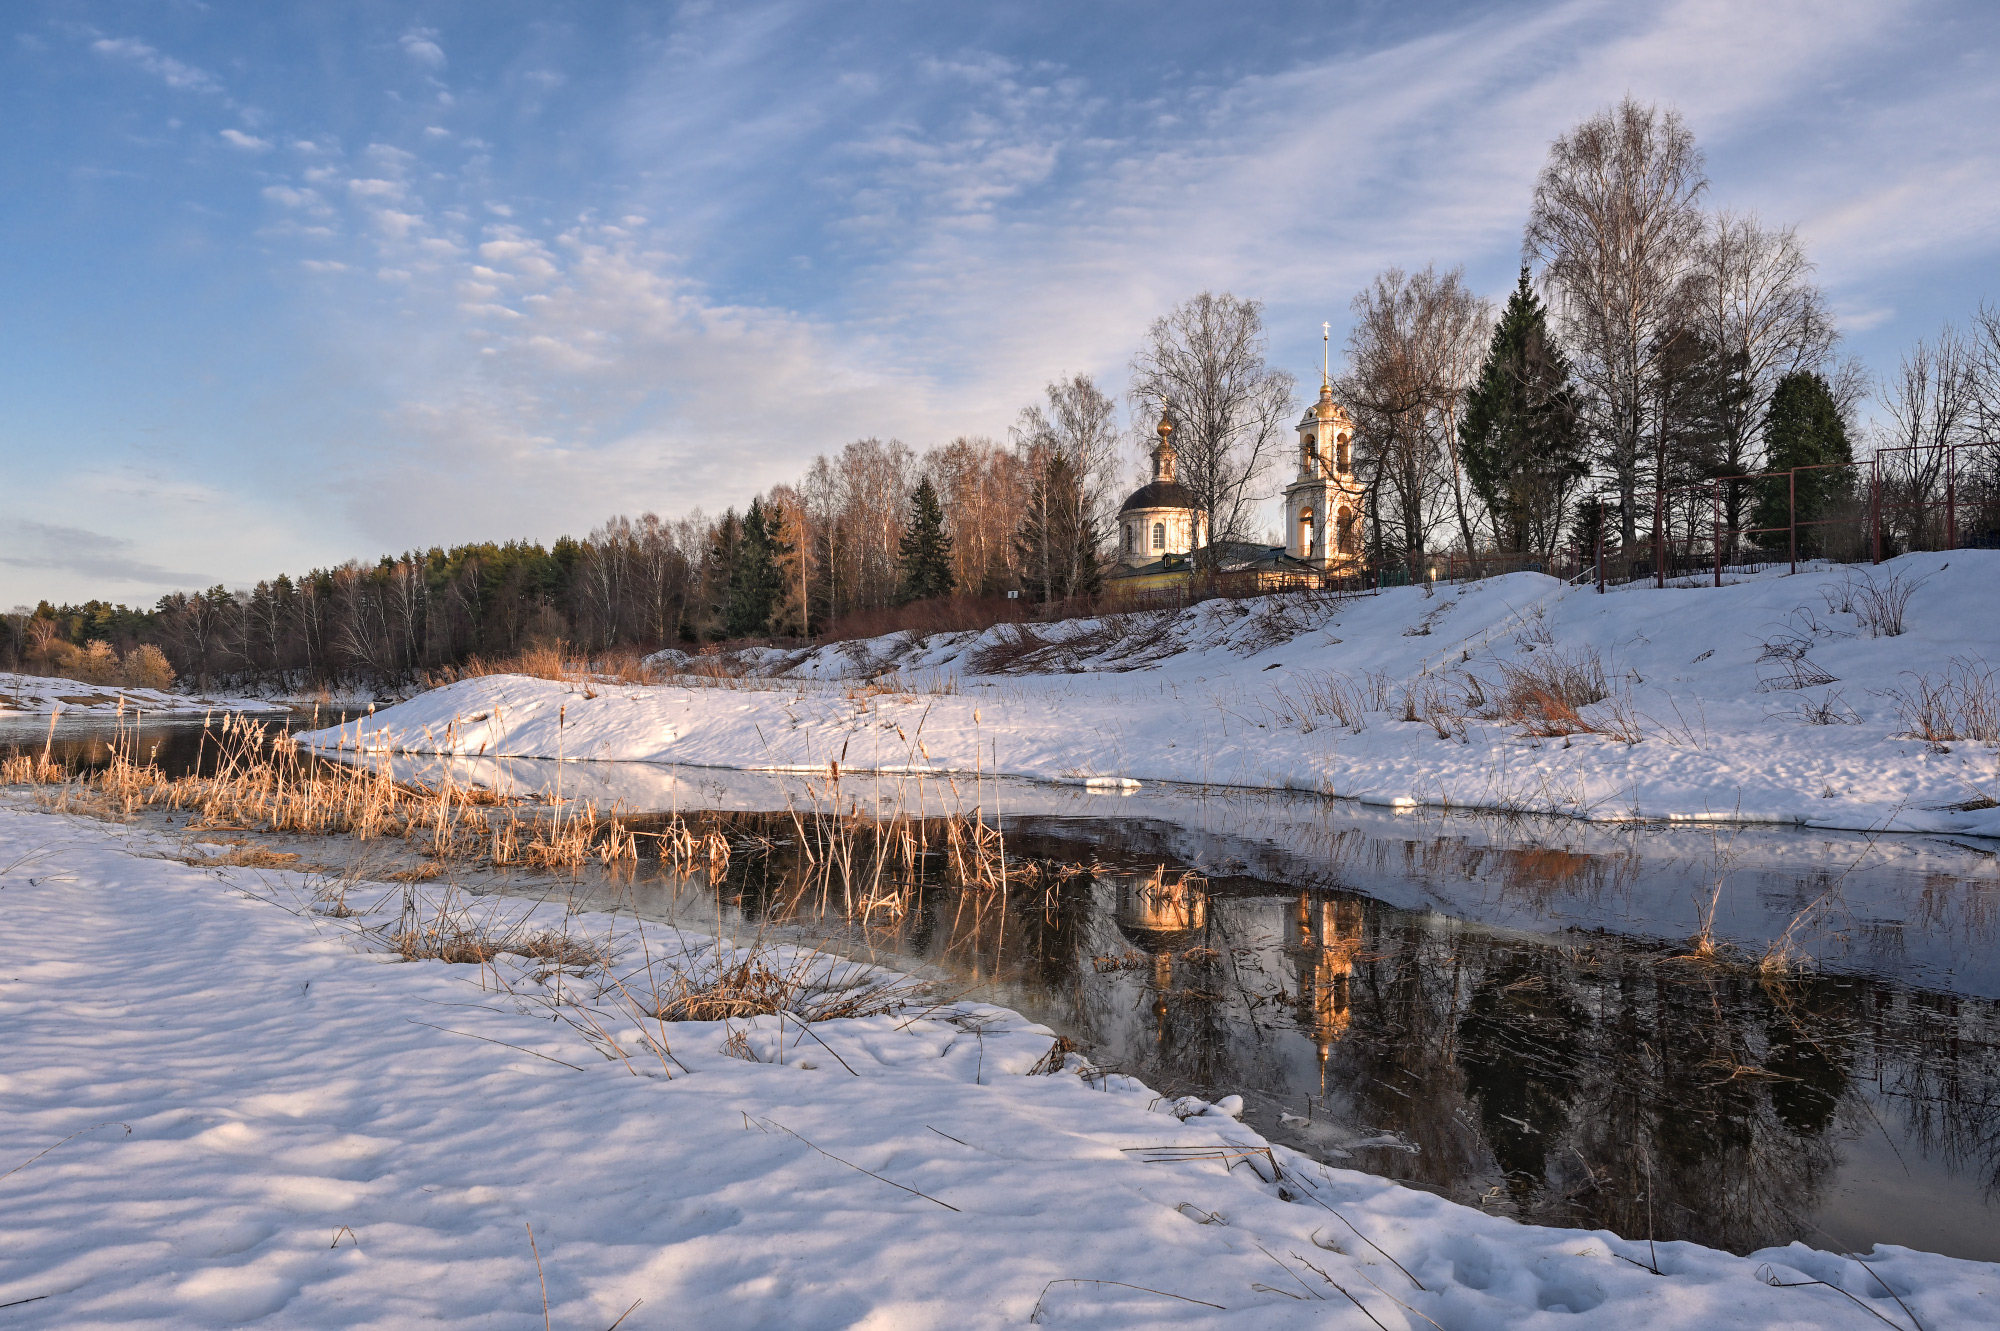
[{"x": 1159, "y": 494}]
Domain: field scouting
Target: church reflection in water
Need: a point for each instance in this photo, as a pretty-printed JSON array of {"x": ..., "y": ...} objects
[
  {"x": 1323, "y": 950},
  {"x": 1569, "y": 1078}
]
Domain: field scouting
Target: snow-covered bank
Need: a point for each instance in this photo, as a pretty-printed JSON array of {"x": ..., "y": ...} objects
[
  {"x": 41, "y": 695},
  {"x": 1713, "y": 715},
  {"x": 276, "y": 1125}
]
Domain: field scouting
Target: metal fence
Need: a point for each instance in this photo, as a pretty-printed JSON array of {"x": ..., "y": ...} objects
[{"x": 1900, "y": 500}]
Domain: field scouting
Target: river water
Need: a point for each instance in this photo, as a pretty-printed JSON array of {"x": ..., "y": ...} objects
[{"x": 1507, "y": 1012}]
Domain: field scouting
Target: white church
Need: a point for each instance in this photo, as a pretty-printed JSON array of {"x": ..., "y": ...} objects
[{"x": 1161, "y": 524}]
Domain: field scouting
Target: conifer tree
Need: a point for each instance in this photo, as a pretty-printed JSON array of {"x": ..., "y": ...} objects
[
  {"x": 1803, "y": 428},
  {"x": 1521, "y": 438},
  {"x": 925, "y": 549},
  {"x": 1058, "y": 543},
  {"x": 755, "y": 576}
]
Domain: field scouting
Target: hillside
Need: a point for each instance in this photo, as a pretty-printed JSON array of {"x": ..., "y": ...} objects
[{"x": 1841, "y": 698}]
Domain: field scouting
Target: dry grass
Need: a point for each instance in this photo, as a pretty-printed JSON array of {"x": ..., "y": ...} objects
[
  {"x": 257, "y": 785},
  {"x": 1430, "y": 700},
  {"x": 763, "y": 980},
  {"x": 1880, "y": 605},
  {"x": 1962, "y": 702},
  {"x": 1546, "y": 693},
  {"x": 30, "y": 769},
  {"x": 1317, "y": 697}
]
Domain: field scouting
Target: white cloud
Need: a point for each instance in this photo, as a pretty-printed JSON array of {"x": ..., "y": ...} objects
[
  {"x": 420, "y": 44},
  {"x": 288, "y": 197},
  {"x": 236, "y": 138},
  {"x": 172, "y": 72}
]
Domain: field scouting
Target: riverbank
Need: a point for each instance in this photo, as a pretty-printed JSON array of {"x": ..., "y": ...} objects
[
  {"x": 1776, "y": 699},
  {"x": 44, "y": 695},
  {"x": 278, "y": 1119}
]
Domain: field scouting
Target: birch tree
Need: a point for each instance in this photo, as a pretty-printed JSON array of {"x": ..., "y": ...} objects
[
  {"x": 1205, "y": 360},
  {"x": 1617, "y": 226}
]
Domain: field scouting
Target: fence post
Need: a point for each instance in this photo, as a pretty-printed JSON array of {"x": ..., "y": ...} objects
[
  {"x": 1951, "y": 497},
  {"x": 1600, "y": 547},
  {"x": 1792, "y": 516},
  {"x": 1715, "y": 521},
  {"x": 1659, "y": 540},
  {"x": 1875, "y": 508}
]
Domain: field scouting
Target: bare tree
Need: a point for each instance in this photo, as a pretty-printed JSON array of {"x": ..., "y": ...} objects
[
  {"x": 1617, "y": 224},
  {"x": 1932, "y": 403},
  {"x": 983, "y": 489},
  {"x": 1986, "y": 370},
  {"x": 1413, "y": 356},
  {"x": 1233, "y": 412},
  {"x": 1078, "y": 426},
  {"x": 1757, "y": 310}
]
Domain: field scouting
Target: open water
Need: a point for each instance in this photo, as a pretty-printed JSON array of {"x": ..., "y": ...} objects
[{"x": 1506, "y": 1012}]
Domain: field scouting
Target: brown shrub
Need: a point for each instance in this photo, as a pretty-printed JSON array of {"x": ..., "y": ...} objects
[{"x": 1545, "y": 692}]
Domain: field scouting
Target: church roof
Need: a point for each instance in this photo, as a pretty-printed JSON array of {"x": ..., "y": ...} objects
[
  {"x": 1326, "y": 409},
  {"x": 1159, "y": 494}
]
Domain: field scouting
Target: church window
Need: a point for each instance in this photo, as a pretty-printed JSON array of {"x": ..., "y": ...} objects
[
  {"x": 1159, "y": 536},
  {"x": 1346, "y": 463},
  {"x": 1131, "y": 539}
]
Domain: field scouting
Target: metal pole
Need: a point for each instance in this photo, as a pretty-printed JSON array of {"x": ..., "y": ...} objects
[
  {"x": 1792, "y": 516},
  {"x": 1875, "y": 507},
  {"x": 1951, "y": 498},
  {"x": 1600, "y": 547},
  {"x": 1659, "y": 539},
  {"x": 1715, "y": 519}
]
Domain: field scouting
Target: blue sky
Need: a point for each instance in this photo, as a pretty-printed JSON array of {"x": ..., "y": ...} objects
[{"x": 288, "y": 284}]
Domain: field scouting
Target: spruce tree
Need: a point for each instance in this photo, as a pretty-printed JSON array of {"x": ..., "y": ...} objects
[
  {"x": 1521, "y": 439},
  {"x": 1057, "y": 542},
  {"x": 925, "y": 549},
  {"x": 1803, "y": 428},
  {"x": 754, "y": 577}
]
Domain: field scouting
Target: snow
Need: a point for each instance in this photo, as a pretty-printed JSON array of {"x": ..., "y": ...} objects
[
  {"x": 41, "y": 695},
  {"x": 220, "y": 1106},
  {"x": 1223, "y": 694}
]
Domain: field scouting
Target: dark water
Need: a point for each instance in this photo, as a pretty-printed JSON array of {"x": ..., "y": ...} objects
[
  {"x": 1508, "y": 1016},
  {"x": 1581, "y": 1079},
  {"x": 179, "y": 745}
]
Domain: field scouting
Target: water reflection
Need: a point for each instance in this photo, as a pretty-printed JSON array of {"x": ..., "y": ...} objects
[
  {"x": 1583, "y": 1078},
  {"x": 1497, "y": 1010}
]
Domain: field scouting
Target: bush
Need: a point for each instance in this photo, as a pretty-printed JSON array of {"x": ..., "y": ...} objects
[{"x": 145, "y": 667}]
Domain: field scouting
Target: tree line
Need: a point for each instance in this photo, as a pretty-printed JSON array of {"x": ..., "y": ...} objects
[{"x": 1652, "y": 345}]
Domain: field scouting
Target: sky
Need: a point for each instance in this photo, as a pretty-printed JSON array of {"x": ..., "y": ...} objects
[{"x": 284, "y": 285}]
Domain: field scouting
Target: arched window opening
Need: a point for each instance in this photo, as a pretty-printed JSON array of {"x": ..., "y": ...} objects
[
  {"x": 1159, "y": 536},
  {"x": 1345, "y": 535},
  {"x": 1306, "y": 544},
  {"x": 1131, "y": 539},
  {"x": 1346, "y": 462}
]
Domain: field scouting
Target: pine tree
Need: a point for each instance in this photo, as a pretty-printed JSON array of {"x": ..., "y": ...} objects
[
  {"x": 1803, "y": 428},
  {"x": 925, "y": 549},
  {"x": 1521, "y": 438}
]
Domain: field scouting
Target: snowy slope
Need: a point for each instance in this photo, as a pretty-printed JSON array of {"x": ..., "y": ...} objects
[
  {"x": 1231, "y": 693},
  {"x": 220, "y": 1108},
  {"x": 40, "y": 695}
]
